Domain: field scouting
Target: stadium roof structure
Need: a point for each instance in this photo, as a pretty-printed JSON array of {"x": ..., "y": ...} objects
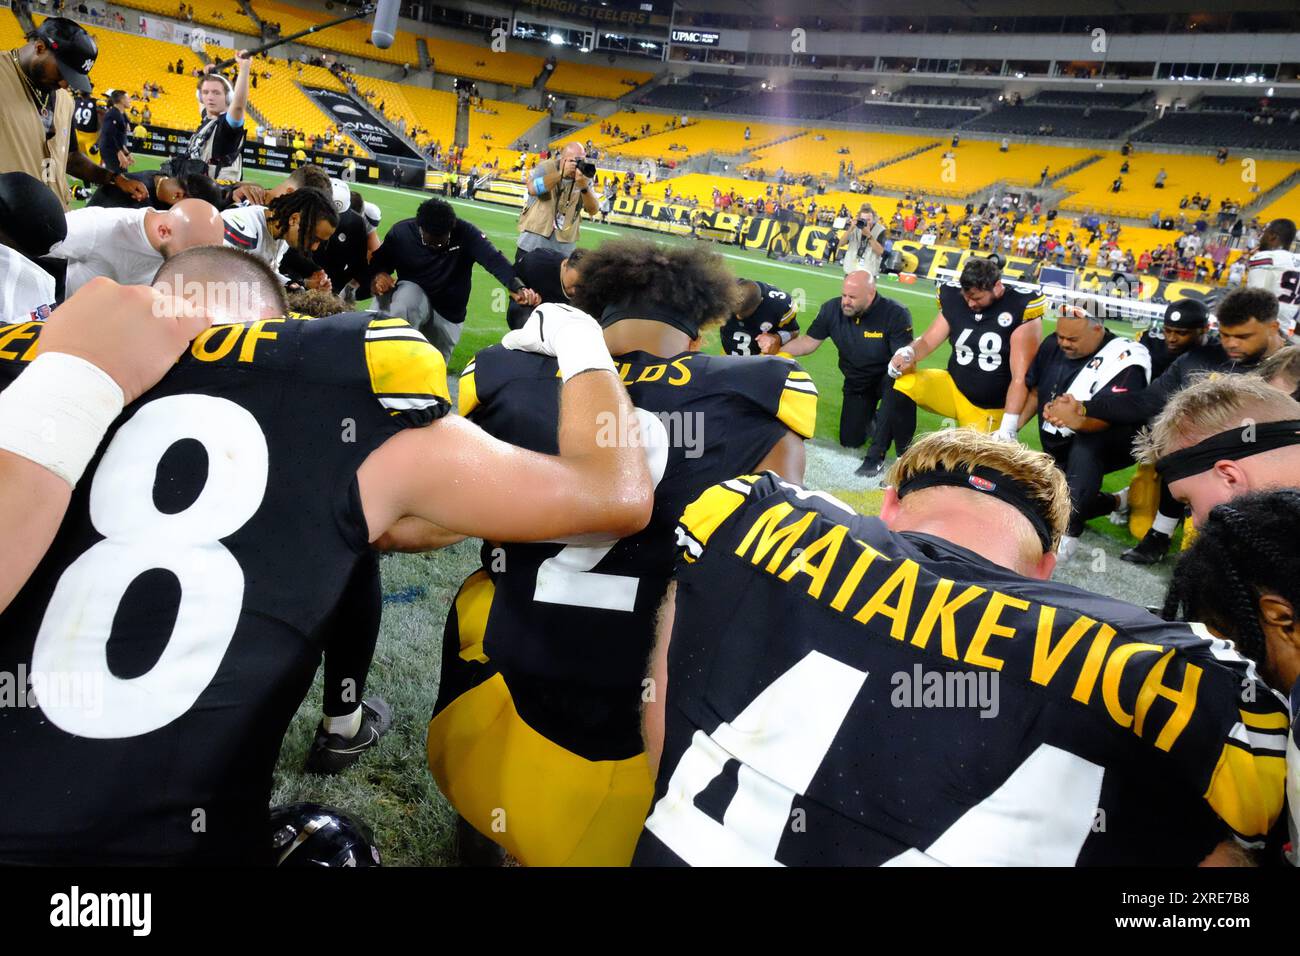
[{"x": 972, "y": 8}]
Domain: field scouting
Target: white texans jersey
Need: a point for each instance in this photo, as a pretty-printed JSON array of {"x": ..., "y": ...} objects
[{"x": 1278, "y": 271}]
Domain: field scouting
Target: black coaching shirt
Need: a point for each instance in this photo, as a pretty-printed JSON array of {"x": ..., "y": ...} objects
[
  {"x": 867, "y": 342},
  {"x": 980, "y": 363},
  {"x": 169, "y": 631},
  {"x": 840, "y": 694},
  {"x": 570, "y": 627}
]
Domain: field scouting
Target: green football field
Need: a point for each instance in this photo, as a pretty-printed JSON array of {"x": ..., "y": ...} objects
[{"x": 390, "y": 788}]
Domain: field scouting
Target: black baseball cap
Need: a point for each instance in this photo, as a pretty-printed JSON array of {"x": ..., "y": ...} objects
[
  {"x": 1187, "y": 314},
  {"x": 73, "y": 47},
  {"x": 30, "y": 214}
]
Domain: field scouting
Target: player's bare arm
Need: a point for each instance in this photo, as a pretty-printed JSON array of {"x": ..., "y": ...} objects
[
  {"x": 100, "y": 350},
  {"x": 652, "y": 714},
  {"x": 413, "y": 535},
  {"x": 1024, "y": 346},
  {"x": 239, "y": 97},
  {"x": 802, "y": 345},
  {"x": 456, "y": 475},
  {"x": 909, "y": 357}
]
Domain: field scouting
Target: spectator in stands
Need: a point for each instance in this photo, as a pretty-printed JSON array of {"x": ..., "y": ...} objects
[{"x": 434, "y": 255}]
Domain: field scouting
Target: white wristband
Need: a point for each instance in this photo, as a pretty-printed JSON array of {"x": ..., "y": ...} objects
[
  {"x": 581, "y": 350},
  {"x": 56, "y": 413},
  {"x": 1010, "y": 423}
]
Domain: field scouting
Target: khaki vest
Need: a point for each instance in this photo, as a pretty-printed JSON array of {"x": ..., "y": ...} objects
[
  {"x": 23, "y": 146},
  {"x": 540, "y": 213}
]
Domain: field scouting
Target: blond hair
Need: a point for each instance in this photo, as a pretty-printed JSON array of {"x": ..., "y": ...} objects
[
  {"x": 963, "y": 449},
  {"x": 1210, "y": 406},
  {"x": 1284, "y": 363}
]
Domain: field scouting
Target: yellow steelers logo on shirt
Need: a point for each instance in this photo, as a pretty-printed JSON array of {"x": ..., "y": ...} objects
[{"x": 1005, "y": 319}]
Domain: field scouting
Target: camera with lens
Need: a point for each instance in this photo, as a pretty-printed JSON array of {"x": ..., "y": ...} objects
[{"x": 587, "y": 168}]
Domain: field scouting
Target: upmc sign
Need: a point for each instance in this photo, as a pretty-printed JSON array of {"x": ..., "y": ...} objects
[{"x": 698, "y": 37}]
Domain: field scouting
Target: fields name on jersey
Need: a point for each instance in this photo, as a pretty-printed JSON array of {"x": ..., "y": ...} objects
[
  {"x": 919, "y": 607},
  {"x": 18, "y": 342},
  {"x": 63, "y": 690},
  {"x": 76, "y": 908}
]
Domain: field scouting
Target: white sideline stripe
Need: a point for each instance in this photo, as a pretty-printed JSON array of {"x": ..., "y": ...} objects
[{"x": 613, "y": 232}]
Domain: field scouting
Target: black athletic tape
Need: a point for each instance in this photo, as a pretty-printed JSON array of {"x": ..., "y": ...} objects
[
  {"x": 1231, "y": 445},
  {"x": 988, "y": 481}
]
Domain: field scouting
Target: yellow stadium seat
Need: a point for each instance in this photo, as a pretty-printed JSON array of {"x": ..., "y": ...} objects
[
  {"x": 1090, "y": 186},
  {"x": 1286, "y": 206},
  {"x": 481, "y": 63},
  {"x": 821, "y": 157},
  {"x": 224, "y": 15},
  {"x": 352, "y": 38},
  {"x": 585, "y": 79},
  {"x": 126, "y": 61},
  {"x": 975, "y": 165},
  {"x": 423, "y": 108},
  {"x": 493, "y": 128}
]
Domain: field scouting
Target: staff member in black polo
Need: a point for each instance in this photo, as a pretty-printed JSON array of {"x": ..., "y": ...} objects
[
  {"x": 114, "y": 133},
  {"x": 552, "y": 275},
  {"x": 434, "y": 256},
  {"x": 866, "y": 328}
]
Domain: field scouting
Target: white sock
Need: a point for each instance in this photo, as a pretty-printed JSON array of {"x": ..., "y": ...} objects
[
  {"x": 1165, "y": 524},
  {"x": 343, "y": 726},
  {"x": 1121, "y": 499}
]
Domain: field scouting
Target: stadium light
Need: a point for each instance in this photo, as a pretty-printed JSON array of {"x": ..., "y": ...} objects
[{"x": 1269, "y": 91}]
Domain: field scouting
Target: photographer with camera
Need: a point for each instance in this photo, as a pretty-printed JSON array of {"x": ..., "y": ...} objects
[
  {"x": 556, "y": 189},
  {"x": 863, "y": 242}
]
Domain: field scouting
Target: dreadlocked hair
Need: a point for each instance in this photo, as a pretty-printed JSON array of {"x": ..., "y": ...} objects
[
  {"x": 1246, "y": 549},
  {"x": 312, "y": 205}
]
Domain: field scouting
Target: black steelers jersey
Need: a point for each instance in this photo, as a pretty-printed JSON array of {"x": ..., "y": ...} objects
[
  {"x": 569, "y": 626},
  {"x": 86, "y": 120},
  {"x": 980, "y": 363},
  {"x": 166, "y": 639},
  {"x": 775, "y": 314},
  {"x": 841, "y": 694},
  {"x": 85, "y": 115}
]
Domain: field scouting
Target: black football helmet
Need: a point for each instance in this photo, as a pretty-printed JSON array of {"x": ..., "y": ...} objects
[{"x": 312, "y": 834}]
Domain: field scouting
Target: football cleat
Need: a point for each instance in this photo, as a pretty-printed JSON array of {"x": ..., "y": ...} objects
[
  {"x": 870, "y": 467},
  {"x": 334, "y": 753},
  {"x": 1150, "y": 550}
]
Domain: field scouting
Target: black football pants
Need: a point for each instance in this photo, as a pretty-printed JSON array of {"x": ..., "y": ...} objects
[
  {"x": 1086, "y": 460},
  {"x": 349, "y": 636},
  {"x": 873, "y": 407}
]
